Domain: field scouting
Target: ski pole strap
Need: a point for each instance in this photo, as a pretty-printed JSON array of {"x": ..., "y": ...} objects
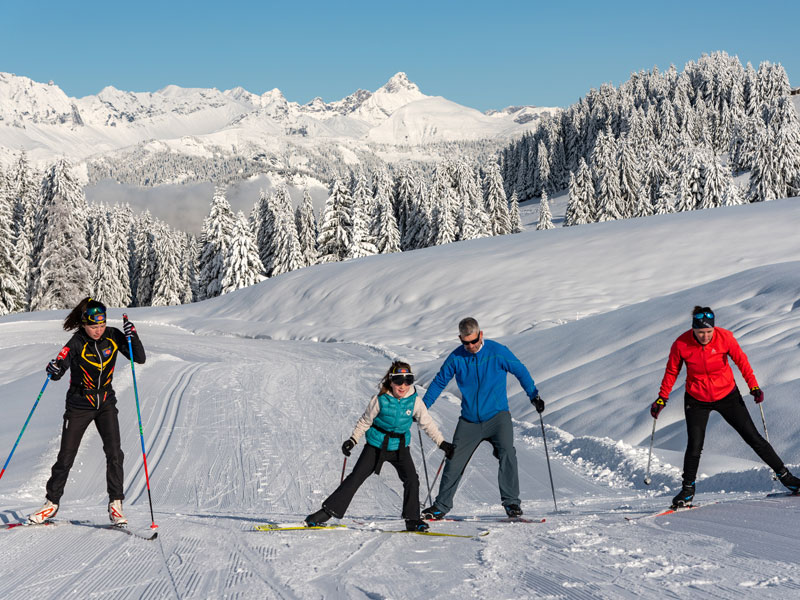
[{"x": 384, "y": 449}]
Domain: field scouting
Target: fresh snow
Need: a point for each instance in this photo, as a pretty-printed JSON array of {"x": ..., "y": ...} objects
[{"x": 246, "y": 399}]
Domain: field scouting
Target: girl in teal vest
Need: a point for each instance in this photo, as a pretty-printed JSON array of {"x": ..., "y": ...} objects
[{"x": 387, "y": 425}]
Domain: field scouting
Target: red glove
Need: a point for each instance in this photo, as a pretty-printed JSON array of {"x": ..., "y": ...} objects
[
  {"x": 657, "y": 406},
  {"x": 758, "y": 395}
]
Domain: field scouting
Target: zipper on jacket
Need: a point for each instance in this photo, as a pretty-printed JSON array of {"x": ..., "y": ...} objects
[
  {"x": 478, "y": 392},
  {"x": 99, "y": 375}
]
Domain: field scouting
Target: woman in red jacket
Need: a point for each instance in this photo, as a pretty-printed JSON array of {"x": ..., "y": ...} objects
[{"x": 710, "y": 386}]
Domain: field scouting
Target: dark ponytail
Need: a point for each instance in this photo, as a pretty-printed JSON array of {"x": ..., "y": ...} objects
[{"x": 75, "y": 318}]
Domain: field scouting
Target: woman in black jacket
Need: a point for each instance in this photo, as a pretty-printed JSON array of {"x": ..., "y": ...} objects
[{"x": 90, "y": 355}]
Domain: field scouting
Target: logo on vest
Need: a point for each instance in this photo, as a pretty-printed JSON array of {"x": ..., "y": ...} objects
[{"x": 408, "y": 412}]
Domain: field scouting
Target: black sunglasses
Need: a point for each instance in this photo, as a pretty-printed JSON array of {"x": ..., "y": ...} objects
[
  {"x": 471, "y": 342},
  {"x": 402, "y": 379}
]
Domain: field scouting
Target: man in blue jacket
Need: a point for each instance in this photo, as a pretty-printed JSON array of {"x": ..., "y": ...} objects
[{"x": 480, "y": 368}]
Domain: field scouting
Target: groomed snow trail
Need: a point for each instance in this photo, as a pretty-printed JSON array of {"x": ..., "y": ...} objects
[{"x": 241, "y": 432}]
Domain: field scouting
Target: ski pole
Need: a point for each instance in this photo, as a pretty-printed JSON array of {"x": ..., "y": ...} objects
[
  {"x": 647, "y": 479},
  {"x": 46, "y": 381},
  {"x": 439, "y": 470},
  {"x": 424, "y": 462},
  {"x": 766, "y": 433},
  {"x": 141, "y": 433},
  {"x": 344, "y": 464},
  {"x": 547, "y": 455}
]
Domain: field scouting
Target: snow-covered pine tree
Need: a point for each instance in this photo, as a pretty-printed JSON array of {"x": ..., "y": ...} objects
[
  {"x": 216, "y": 234},
  {"x": 263, "y": 217},
  {"x": 12, "y": 285},
  {"x": 334, "y": 233},
  {"x": 690, "y": 182},
  {"x": 629, "y": 178},
  {"x": 188, "y": 291},
  {"x": 545, "y": 217},
  {"x": 306, "y": 224},
  {"x": 167, "y": 249},
  {"x": 61, "y": 273},
  {"x": 542, "y": 168},
  {"x": 243, "y": 267},
  {"x": 388, "y": 239},
  {"x": 495, "y": 201},
  {"x": 121, "y": 222},
  {"x": 581, "y": 206},
  {"x": 24, "y": 190},
  {"x": 105, "y": 283},
  {"x": 716, "y": 181},
  {"x": 361, "y": 243},
  {"x": 143, "y": 271},
  {"x": 606, "y": 177},
  {"x": 287, "y": 254},
  {"x": 513, "y": 214}
]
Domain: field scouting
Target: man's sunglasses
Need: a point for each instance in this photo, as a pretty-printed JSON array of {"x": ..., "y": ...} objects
[
  {"x": 707, "y": 315},
  {"x": 471, "y": 342},
  {"x": 402, "y": 379}
]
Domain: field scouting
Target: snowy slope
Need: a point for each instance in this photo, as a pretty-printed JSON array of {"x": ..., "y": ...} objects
[{"x": 247, "y": 398}]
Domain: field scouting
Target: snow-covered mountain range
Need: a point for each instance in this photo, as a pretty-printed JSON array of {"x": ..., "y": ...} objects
[{"x": 41, "y": 119}]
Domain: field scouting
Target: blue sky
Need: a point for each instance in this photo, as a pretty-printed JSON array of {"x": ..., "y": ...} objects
[{"x": 470, "y": 52}]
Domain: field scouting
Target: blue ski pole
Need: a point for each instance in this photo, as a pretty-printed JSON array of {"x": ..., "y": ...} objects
[
  {"x": 141, "y": 433},
  {"x": 35, "y": 404}
]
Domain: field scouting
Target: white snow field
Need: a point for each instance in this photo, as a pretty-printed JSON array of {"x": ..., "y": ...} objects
[{"x": 247, "y": 398}]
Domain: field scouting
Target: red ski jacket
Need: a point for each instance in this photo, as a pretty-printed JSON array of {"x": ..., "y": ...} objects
[{"x": 708, "y": 375}]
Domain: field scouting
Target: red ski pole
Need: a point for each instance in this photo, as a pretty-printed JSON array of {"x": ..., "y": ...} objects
[{"x": 141, "y": 433}]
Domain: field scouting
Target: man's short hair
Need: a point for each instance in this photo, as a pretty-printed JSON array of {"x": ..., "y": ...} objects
[{"x": 468, "y": 326}]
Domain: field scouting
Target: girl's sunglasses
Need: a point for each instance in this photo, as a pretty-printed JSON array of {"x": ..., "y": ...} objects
[
  {"x": 706, "y": 315},
  {"x": 402, "y": 379},
  {"x": 94, "y": 316}
]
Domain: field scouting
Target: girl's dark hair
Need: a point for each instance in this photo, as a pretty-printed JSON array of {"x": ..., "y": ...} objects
[
  {"x": 387, "y": 379},
  {"x": 699, "y": 309},
  {"x": 75, "y": 317}
]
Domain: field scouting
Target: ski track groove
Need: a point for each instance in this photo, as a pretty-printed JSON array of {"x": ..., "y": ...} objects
[{"x": 164, "y": 428}]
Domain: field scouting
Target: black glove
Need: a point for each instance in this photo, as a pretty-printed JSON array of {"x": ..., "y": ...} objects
[
  {"x": 657, "y": 406},
  {"x": 53, "y": 369},
  {"x": 448, "y": 449},
  {"x": 347, "y": 446},
  {"x": 128, "y": 328},
  {"x": 538, "y": 403}
]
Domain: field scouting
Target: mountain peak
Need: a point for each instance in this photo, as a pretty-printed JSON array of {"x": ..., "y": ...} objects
[{"x": 399, "y": 82}]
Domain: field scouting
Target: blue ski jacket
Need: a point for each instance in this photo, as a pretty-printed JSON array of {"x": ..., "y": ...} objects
[{"x": 481, "y": 378}]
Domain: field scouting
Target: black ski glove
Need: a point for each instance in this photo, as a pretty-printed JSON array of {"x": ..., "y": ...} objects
[
  {"x": 53, "y": 369},
  {"x": 348, "y": 446},
  {"x": 128, "y": 328},
  {"x": 538, "y": 403},
  {"x": 448, "y": 449},
  {"x": 758, "y": 394}
]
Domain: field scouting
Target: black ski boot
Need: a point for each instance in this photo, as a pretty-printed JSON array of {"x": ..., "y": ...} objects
[
  {"x": 432, "y": 513},
  {"x": 318, "y": 518},
  {"x": 684, "y": 497},
  {"x": 513, "y": 511},
  {"x": 791, "y": 482},
  {"x": 416, "y": 525}
]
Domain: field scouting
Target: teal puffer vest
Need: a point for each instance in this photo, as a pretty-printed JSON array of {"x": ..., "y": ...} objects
[{"x": 395, "y": 416}]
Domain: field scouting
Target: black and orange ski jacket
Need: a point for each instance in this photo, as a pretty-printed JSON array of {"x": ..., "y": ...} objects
[{"x": 91, "y": 363}]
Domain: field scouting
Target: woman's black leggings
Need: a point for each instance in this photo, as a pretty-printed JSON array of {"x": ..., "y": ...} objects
[{"x": 733, "y": 410}]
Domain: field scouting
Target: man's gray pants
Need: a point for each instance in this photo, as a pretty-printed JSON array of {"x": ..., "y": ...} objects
[{"x": 500, "y": 433}]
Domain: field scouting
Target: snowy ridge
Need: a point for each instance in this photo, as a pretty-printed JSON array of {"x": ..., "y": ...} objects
[{"x": 43, "y": 120}]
